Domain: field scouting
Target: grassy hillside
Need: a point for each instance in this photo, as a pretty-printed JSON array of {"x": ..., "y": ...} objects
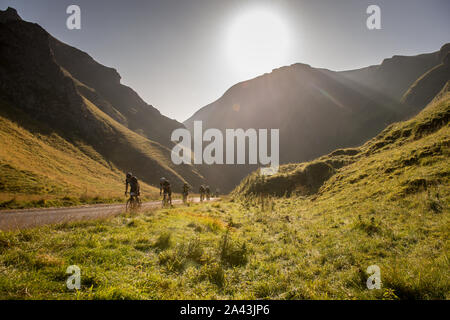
[
  {"x": 114, "y": 98},
  {"x": 424, "y": 89},
  {"x": 318, "y": 110},
  {"x": 43, "y": 169},
  {"x": 385, "y": 203},
  {"x": 417, "y": 146},
  {"x": 45, "y": 99}
]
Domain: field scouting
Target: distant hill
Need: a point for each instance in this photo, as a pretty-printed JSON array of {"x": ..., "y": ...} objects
[
  {"x": 394, "y": 75},
  {"x": 316, "y": 110},
  {"x": 423, "y": 90},
  {"x": 404, "y": 158},
  {"x": 63, "y": 92}
]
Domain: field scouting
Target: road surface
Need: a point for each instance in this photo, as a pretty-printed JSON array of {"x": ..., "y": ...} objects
[{"x": 29, "y": 218}]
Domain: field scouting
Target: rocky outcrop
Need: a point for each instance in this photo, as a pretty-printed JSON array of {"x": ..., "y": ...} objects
[{"x": 9, "y": 15}]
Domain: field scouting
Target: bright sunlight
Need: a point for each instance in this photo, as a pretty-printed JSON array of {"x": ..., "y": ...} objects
[{"x": 258, "y": 41}]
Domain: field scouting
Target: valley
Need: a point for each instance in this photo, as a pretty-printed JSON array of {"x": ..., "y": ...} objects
[{"x": 359, "y": 181}]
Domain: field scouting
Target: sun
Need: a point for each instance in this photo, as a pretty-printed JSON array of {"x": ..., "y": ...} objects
[{"x": 257, "y": 42}]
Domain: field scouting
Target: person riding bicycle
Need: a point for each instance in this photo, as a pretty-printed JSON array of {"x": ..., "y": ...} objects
[
  {"x": 208, "y": 192},
  {"x": 135, "y": 189},
  {"x": 202, "y": 192},
  {"x": 164, "y": 187},
  {"x": 185, "y": 192}
]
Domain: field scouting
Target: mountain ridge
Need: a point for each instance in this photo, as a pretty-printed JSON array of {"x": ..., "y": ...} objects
[
  {"x": 31, "y": 80},
  {"x": 317, "y": 110},
  {"x": 339, "y": 167}
]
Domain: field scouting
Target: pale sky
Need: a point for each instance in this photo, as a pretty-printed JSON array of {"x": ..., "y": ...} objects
[{"x": 180, "y": 55}]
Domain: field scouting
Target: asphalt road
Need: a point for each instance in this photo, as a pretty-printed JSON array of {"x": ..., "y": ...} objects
[{"x": 29, "y": 218}]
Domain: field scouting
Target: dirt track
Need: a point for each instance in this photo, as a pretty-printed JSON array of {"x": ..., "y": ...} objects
[{"x": 29, "y": 218}]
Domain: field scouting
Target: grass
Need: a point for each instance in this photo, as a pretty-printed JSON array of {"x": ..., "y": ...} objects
[{"x": 321, "y": 253}]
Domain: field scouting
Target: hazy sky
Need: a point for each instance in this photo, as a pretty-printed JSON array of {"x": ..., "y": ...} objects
[{"x": 180, "y": 55}]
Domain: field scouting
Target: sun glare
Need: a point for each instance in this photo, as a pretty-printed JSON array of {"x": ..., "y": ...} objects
[{"x": 258, "y": 41}]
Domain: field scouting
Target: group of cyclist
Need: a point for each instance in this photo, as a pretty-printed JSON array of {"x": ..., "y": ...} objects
[{"x": 165, "y": 190}]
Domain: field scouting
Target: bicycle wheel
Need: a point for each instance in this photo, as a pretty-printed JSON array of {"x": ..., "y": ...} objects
[
  {"x": 164, "y": 201},
  {"x": 128, "y": 205},
  {"x": 139, "y": 203}
]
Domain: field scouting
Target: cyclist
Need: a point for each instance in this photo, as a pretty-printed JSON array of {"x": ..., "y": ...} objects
[
  {"x": 202, "y": 192},
  {"x": 185, "y": 192},
  {"x": 135, "y": 189},
  {"x": 208, "y": 193},
  {"x": 164, "y": 187}
]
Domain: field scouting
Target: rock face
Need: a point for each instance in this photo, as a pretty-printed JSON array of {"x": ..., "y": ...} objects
[
  {"x": 9, "y": 15},
  {"x": 65, "y": 90}
]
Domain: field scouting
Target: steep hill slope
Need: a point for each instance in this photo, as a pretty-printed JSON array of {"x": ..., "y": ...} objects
[
  {"x": 395, "y": 75},
  {"x": 386, "y": 203},
  {"x": 35, "y": 85},
  {"x": 404, "y": 158},
  {"x": 424, "y": 89},
  {"x": 118, "y": 101},
  {"x": 40, "y": 168},
  {"x": 316, "y": 110}
]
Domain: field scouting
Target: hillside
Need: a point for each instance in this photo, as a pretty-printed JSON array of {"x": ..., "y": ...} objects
[
  {"x": 39, "y": 168},
  {"x": 425, "y": 88},
  {"x": 407, "y": 157},
  {"x": 316, "y": 110},
  {"x": 48, "y": 91},
  {"x": 385, "y": 203},
  {"x": 395, "y": 75},
  {"x": 102, "y": 86}
]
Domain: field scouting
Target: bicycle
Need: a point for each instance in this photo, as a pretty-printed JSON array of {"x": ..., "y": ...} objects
[
  {"x": 165, "y": 200},
  {"x": 133, "y": 203}
]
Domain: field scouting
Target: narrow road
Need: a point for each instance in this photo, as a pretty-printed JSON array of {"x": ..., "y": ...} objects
[{"x": 29, "y": 218}]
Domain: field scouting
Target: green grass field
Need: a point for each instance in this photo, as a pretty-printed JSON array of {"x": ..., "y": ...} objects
[{"x": 293, "y": 249}]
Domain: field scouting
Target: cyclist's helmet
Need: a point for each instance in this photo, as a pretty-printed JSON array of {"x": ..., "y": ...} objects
[
  {"x": 162, "y": 180},
  {"x": 129, "y": 175}
]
